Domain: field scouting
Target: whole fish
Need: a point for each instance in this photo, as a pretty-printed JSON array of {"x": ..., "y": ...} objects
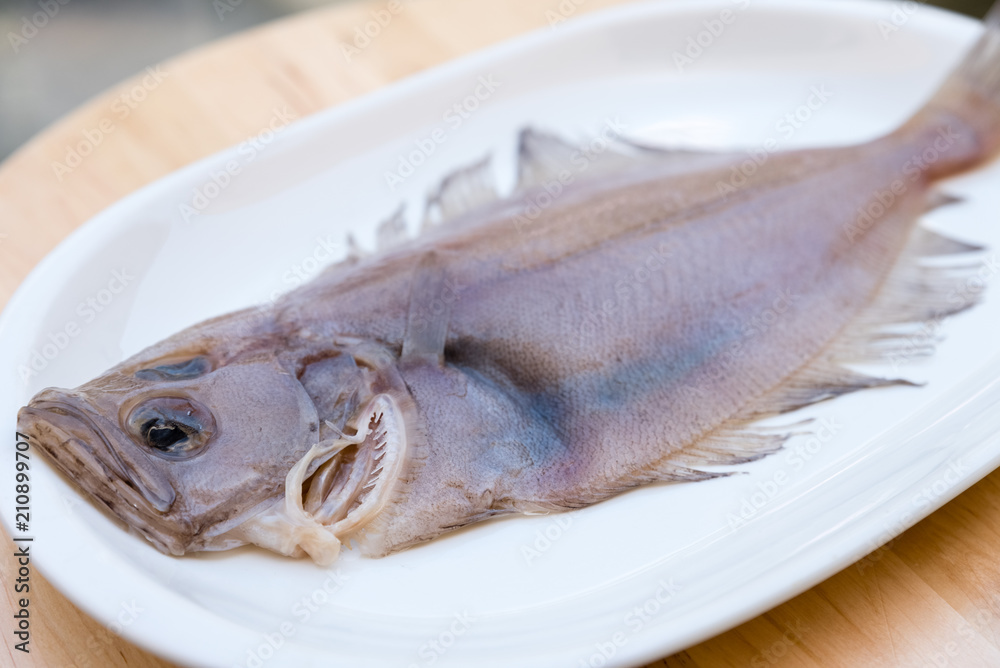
[{"x": 624, "y": 317}]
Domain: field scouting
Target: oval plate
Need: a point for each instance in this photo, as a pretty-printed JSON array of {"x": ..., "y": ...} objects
[{"x": 620, "y": 583}]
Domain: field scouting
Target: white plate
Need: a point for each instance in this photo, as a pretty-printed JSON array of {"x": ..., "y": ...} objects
[{"x": 635, "y": 578}]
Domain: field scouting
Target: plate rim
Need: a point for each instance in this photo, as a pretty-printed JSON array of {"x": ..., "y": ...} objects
[{"x": 115, "y": 217}]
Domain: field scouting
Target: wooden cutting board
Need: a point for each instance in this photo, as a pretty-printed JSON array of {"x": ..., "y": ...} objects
[{"x": 929, "y": 598}]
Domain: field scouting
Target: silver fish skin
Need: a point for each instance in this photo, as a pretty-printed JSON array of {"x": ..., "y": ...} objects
[{"x": 520, "y": 358}]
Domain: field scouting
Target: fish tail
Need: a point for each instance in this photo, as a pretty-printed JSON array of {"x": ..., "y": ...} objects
[{"x": 964, "y": 115}]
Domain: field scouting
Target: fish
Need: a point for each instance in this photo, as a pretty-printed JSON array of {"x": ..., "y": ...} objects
[{"x": 627, "y": 315}]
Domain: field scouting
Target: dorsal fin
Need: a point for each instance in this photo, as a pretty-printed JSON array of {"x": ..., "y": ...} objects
[
  {"x": 354, "y": 251},
  {"x": 461, "y": 191},
  {"x": 544, "y": 157},
  {"x": 540, "y": 157},
  {"x": 391, "y": 231}
]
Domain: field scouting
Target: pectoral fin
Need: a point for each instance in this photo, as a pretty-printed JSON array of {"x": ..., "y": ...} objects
[{"x": 432, "y": 295}]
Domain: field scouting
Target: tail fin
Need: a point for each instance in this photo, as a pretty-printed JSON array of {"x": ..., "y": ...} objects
[
  {"x": 981, "y": 68},
  {"x": 969, "y": 101}
]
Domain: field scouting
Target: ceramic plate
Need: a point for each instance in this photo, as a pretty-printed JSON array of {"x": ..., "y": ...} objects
[{"x": 620, "y": 583}]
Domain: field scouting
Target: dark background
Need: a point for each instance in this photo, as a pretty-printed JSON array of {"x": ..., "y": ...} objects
[
  {"x": 973, "y": 7},
  {"x": 89, "y": 45}
]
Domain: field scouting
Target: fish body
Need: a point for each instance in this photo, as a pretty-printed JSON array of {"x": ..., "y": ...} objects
[{"x": 619, "y": 320}]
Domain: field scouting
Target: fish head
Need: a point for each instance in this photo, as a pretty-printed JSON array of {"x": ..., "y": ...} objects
[{"x": 182, "y": 442}]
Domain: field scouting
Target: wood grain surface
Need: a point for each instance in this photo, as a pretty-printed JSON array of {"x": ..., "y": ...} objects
[{"x": 929, "y": 598}]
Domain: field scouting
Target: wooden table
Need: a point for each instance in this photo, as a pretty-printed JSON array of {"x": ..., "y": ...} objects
[{"x": 929, "y": 598}]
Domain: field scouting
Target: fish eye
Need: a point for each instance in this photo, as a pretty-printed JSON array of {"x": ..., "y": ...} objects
[
  {"x": 171, "y": 427},
  {"x": 187, "y": 369},
  {"x": 163, "y": 434}
]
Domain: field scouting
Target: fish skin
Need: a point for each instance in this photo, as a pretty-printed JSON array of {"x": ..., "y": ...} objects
[
  {"x": 491, "y": 366},
  {"x": 562, "y": 408}
]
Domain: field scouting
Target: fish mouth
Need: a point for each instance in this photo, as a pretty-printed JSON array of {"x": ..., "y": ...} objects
[
  {"x": 334, "y": 491},
  {"x": 79, "y": 449},
  {"x": 346, "y": 488},
  {"x": 342, "y": 485}
]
